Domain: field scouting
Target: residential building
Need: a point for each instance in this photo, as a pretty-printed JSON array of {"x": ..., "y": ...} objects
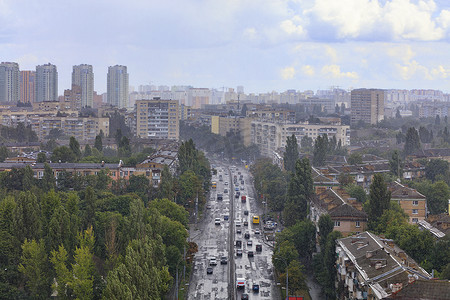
[
  {"x": 269, "y": 136},
  {"x": 156, "y": 119},
  {"x": 27, "y": 86},
  {"x": 46, "y": 83},
  {"x": 72, "y": 98},
  {"x": 413, "y": 203},
  {"x": 9, "y": 82},
  {"x": 346, "y": 213},
  {"x": 83, "y": 76},
  {"x": 367, "y": 105},
  {"x": 372, "y": 268},
  {"x": 117, "y": 86},
  {"x": 198, "y": 97}
]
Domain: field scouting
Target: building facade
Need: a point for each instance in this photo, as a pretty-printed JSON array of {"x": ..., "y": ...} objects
[
  {"x": 46, "y": 83},
  {"x": 9, "y": 82},
  {"x": 367, "y": 105},
  {"x": 27, "y": 86},
  {"x": 117, "y": 86},
  {"x": 83, "y": 76},
  {"x": 156, "y": 119}
]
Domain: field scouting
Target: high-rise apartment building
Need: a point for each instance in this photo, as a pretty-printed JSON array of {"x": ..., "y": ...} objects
[
  {"x": 9, "y": 82},
  {"x": 73, "y": 98},
  {"x": 157, "y": 119},
  {"x": 367, "y": 105},
  {"x": 46, "y": 83},
  {"x": 117, "y": 86},
  {"x": 27, "y": 86},
  {"x": 83, "y": 76}
]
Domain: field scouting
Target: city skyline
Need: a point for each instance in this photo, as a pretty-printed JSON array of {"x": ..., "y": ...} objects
[{"x": 262, "y": 45}]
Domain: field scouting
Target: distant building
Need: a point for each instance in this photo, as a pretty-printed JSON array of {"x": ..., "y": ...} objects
[
  {"x": 413, "y": 203},
  {"x": 367, "y": 105},
  {"x": 117, "y": 86},
  {"x": 83, "y": 76},
  {"x": 73, "y": 98},
  {"x": 198, "y": 97},
  {"x": 46, "y": 83},
  {"x": 156, "y": 119},
  {"x": 27, "y": 86},
  {"x": 9, "y": 82}
]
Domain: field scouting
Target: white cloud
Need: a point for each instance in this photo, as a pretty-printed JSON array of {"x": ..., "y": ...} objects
[
  {"x": 293, "y": 26},
  {"x": 308, "y": 70},
  {"x": 334, "y": 71},
  {"x": 371, "y": 20},
  {"x": 288, "y": 73}
]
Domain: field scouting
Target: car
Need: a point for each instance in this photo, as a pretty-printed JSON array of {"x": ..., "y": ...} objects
[
  {"x": 238, "y": 231},
  {"x": 250, "y": 253},
  {"x": 236, "y": 189},
  {"x": 219, "y": 197},
  {"x": 208, "y": 206},
  {"x": 226, "y": 182},
  {"x": 225, "y": 191},
  {"x": 246, "y": 212},
  {"x": 257, "y": 231},
  {"x": 212, "y": 261},
  {"x": 258, "y": 248},
  {"x": 242, "y": 188},
  {"x": 238, "y": 193},
  {"x": 236, "y": 196},
  {"x": 238, "y": 243},
  {"x": 223, "y": 260},
  {"x": 239, "y": 252},
  {"x": 247, "y": 235},
  {"x": 245, "y": 223},
  {"x": 255, "y": 288},
  {"x": 244, "y": 297},
  {"x": 209, "y": 270},
  {"x": 238, "y": 223},
  {"x": 217, "y": 221},
  {"x": 242, "y": 182},
  {"x": 249, "y": 243},
  {"x": 225, "y": 217}
]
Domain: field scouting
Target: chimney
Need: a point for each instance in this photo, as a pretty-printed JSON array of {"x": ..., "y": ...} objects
[
  {"x": 369, "y": 254},
  {"x": 103, "y": 163}
]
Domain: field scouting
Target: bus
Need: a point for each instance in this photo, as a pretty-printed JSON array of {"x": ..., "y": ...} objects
[
  {"x": 256, "y": 220},
  {"x": 214, "y": 185}
]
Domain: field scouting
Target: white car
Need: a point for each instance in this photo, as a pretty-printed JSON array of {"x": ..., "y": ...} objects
[
  {"x": 217, "y": 221},
  {"x": 212, "y": 261}
]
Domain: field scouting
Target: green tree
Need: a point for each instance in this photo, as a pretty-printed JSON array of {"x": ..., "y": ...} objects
[
  {"x": 28, "y": 180},
  {"x": 75, "y": 146},
  {"x": 284, "y": 252},
  {"x": 41, "y": 157},
  {"x": 291, "y": 153},
  {"x": 306, "y": 143},
  {"x": 133, "y": 279},
  {"x": 320, "y": 150},
  {"x": 355, "y": 158},
  {"x": 326, "y": 226},
  {"x": 34, "y": 266},
  {"x": 48, "y": 181},
  {"x": 297, "y": 278},
  {"x": 124, "y": 147},
  {"x": 436, "y": 168},
  {"x": 438, "y": 197},
  {"x": 412, "y": 141},
  {"x": 4, "y": 153},
  {"x": 328, "y": 278},
  {"x": 82, "y": 280},
  {"x": 379, "y": 200},
  {"x": 98, "y": 144},
  {"x": 357, "y": 192},
  {"x": 27, "y": 221},
  {"x": 87, "y": 150},
  {"x": 345, "y": 179},
  {"x": 171, "y": 210},
  {"x": 59, "y": 259},
  {"x": 63, "y": 154},
  {"x": 90, "y": 203},
  {"x": 396, "y": 164}
]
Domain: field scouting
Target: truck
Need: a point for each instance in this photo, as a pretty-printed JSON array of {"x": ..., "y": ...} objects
[{"x": 243, "y": 198}]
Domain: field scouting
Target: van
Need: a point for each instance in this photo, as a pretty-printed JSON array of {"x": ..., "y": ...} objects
[{"x": 240, "y": 283}]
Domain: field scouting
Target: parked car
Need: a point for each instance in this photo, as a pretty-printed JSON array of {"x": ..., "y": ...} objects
[
  {"x": 238, "y": 243},
  {"x": 246, "y": 212},
  {"x": 217, "y": 221},
  {"x": 255, "y": 288},
  {"x": 258, "y": 248},
  {"x": 209, "y": 270},
  {"x": 225, "y": 217},
  {"x": 245, "y": 223},
  {"x": 223, "y": 260}
]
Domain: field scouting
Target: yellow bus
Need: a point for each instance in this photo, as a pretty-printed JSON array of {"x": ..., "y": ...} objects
[
  {"x": 256, "y": 220},
  {"x": 214, "y": 185}
]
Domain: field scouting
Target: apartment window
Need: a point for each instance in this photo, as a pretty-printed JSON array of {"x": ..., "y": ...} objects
[
  {"x": 358, "y": 224},
  {"x": 415, "y": 202},
  {"x": 415, "y": 220},
  {"x": 415, "y": 211},
  {"x": 337, "y": 223}
]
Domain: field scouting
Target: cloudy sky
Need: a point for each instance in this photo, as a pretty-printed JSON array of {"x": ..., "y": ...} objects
[{"x": 263, "y": 45}]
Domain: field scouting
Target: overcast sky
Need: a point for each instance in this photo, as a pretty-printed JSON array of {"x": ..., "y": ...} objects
[{"x": 263, "y": 45}]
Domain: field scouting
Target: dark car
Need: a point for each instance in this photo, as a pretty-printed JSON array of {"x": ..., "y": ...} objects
[
  {"x": 225, "y": 217},
  {"x": 255, "y": 288},
  {"x": 236, "y": 196},
  {"x": 245, "y": 223},
  {"x": 223, "y": 260},
  {"x": 246, "y": 212},
  {"x": 238, "y": 243},
  {"x": 244, "y": 297},
  {"x": 258, "y": 248},
  {"x": 247, "y": 235},
  {"x": 219, "y": 197},
  {"x": 209, "y": 270},
  {"x": 238, "y": 231},
  {"x": 250, "y": 253},
  {"x": 238, "y": 252}
]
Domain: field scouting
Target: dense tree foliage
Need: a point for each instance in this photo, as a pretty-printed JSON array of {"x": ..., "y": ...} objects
[
  {"x": 291, "y": 153},
  {"x": 379, "y": 200},
  {"x": 18, "y": 134},
  {"x": 412, "y": 141},
  {"x": 320, "y": 150}
]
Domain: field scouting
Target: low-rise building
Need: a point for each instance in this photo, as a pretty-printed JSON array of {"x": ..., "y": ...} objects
[
  {"x": 413, "y": 203},
  {"x": 372, "y": 268}
]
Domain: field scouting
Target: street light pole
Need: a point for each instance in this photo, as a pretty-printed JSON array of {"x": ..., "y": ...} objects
[{"x": 176, "y": 282}]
